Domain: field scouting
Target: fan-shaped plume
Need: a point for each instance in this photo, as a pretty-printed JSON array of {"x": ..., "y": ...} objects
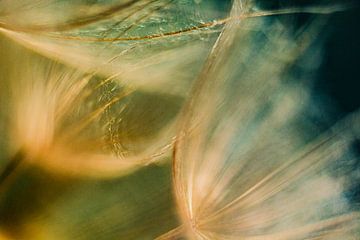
[
  {"x": 79, "y": 123},
  {"x": 102, "y": 88},
  {"x": 129, "y": 40},
  {"x": 242, "y": 169},
  {"x": 111, "y": 37}
]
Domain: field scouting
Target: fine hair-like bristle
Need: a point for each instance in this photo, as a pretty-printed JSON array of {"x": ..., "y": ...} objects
[{"x": 96, "y": 95}]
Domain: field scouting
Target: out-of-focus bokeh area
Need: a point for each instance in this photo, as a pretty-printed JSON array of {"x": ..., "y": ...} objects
[
  {"x": 42, "y": 204},
  {"x": 134, "y": 91}
]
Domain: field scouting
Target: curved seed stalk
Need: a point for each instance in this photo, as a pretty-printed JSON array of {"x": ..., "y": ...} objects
[
  {"x": 241, "y": 169},
  {"x": 125, "y": 32},
  {"x": 61, "y": 120}
]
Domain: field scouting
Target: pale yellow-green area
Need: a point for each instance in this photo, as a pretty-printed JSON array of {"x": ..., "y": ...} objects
[{"x": 145, "y": 119}]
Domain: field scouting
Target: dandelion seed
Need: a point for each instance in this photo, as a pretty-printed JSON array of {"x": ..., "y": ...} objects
[
  {"x": 58, "y": 118},
  {"x": 241, "y": 169},
  {"x": 248, "y": 163}
]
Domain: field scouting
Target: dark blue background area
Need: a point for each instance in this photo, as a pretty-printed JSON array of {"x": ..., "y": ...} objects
[
  {"x": 339, "y": 79},
  {"x": 336, "y": 89}
]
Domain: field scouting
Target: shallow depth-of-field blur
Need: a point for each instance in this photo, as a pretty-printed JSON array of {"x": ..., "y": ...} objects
[{"x": 179, "y": 119}]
